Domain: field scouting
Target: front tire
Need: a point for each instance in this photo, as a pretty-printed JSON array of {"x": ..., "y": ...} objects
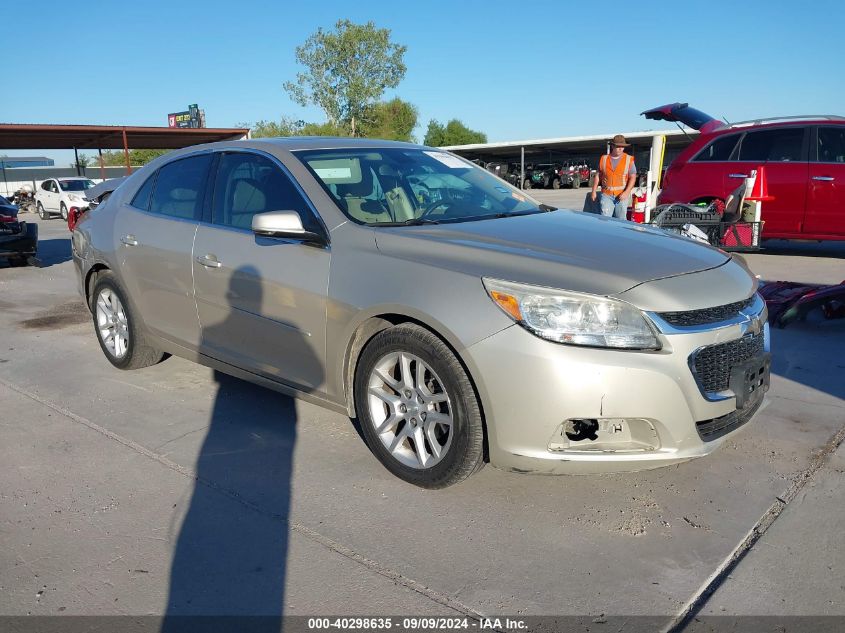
[
  {"x": 417, "y": 407},
  {"x": 42, "y": 213},
  {"x": 63, "y": 210},
  {"x": 576, "y": 182},
  {"x": 556, "y": 183},
  {"x": 526, "y": 184},
  {"x": 120, "y": 338}
]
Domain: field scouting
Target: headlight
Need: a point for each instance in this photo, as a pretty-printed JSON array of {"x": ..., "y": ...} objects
[
  {"x": 572, "y": 317},
  {"x": 74, "y": 198}
]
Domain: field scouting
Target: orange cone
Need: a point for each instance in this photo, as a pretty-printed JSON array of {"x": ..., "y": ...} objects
[{"x": 760, "y": 191}]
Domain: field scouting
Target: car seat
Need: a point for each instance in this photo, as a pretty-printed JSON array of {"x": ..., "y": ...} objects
[
  {"x": 247, "y": 199},
  {"x": 356, "y": 198}
]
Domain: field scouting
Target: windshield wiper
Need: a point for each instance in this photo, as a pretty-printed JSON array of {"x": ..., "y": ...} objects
[
  {"x": 545, "y": 208},
  {"x": 411, "y": 222}
]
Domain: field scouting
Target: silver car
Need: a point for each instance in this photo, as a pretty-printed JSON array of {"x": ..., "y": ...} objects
[{"x": 459, "y": 320}]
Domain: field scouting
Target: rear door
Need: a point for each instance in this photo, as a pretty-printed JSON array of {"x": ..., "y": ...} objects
[
  {"x": 783, "y": 151},
  {"x": 261, "y": 300},
  {"x": 826, "y": 186},
  {"x": 154, "y": 235}
]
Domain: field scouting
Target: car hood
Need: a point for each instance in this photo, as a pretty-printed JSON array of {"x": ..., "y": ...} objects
[{"x": 563, "y": 249}]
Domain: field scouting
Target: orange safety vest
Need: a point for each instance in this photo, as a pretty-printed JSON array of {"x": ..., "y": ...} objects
[{"x": 613, "y": 180}]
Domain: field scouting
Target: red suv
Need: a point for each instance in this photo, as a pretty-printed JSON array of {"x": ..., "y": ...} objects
[{"x": 804, "y": 159}]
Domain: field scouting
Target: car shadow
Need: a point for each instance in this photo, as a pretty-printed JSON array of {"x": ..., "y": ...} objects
[
  {"x": 230, "y": 556},
  {"x": 831, "y": 248},
  {"x": 53, "y": 251},
  {"x": 812, "y": 353}
]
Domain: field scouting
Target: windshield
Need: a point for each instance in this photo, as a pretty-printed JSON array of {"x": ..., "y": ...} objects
[
  {"x": 410, "y": 186},
  {"x": 76, "y": 185}
]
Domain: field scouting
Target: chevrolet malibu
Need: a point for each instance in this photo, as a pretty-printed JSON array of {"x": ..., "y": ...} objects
[{"x": 460, "y": 321}]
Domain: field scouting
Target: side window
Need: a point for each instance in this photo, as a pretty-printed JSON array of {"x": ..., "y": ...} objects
[
  {"x": 45, "y": 185},
  {"x": 831, "y": 144},
  {"x": 247, "y": 184},
  {"x": 179, "y": 188},
  {"x": 142, "y": 196},
  {"x": 782, "y": 145},
  {"x": 719, "y": 150}
]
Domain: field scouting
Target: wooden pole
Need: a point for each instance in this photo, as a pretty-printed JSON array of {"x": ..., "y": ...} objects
[{"x": 102, "y": 167}]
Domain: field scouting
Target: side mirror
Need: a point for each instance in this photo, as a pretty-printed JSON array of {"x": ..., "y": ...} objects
[{"x": 286, "y": 224}]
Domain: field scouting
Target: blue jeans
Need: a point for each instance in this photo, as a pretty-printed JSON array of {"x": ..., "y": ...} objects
[{"x": 611, "y": 208}]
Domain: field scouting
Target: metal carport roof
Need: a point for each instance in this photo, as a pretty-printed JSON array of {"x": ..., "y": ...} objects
[{"x": 38, "y": 136}]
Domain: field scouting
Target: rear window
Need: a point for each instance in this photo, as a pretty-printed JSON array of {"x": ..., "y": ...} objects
[
  {"x": 782, "y": 145},
  {"x": 180, "y": 186},
  {"x": 831, "y": 145},
  {"x": 142, "y": 197},
  {"x": 720, "y": 149}
]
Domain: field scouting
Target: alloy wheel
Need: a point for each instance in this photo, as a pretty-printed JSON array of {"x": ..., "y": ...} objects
[
  {"x": 112, "y": 325},
  {"x": 410, "y": 410}
]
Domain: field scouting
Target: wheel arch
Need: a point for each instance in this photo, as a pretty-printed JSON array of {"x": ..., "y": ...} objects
[{"x": 91, "y": 280}]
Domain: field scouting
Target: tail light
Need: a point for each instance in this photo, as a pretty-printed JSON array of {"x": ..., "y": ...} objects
[{"x": 7, "y": 218}]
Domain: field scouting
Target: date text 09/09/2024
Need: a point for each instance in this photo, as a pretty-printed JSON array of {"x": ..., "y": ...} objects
[{"x": 416, "y": 624}]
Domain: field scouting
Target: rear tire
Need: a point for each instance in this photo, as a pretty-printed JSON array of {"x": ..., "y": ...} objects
[
  {"x": 121, "y": 339},
  {"x": 417, "y": 408},
  {"x": 526, "y": 184}
]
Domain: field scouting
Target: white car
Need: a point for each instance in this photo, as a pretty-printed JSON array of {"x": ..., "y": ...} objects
[{"x": 57, "y": 195}]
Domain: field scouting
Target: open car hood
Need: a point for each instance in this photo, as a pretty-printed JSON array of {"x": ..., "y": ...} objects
[{"x": 682, "y": 113}]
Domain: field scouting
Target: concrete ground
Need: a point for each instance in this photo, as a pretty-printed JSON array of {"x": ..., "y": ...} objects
[{"x": 177, "y": 490}]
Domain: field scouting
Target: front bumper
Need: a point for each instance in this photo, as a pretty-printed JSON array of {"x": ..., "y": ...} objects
[
  {"x": 23, "y": 243},
  {"x": 646, "y": 404}
]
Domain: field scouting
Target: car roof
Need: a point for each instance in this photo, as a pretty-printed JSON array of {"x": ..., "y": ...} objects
[
  {"x": 747, "y": 126},
  {"x": 71, "y": 178}
]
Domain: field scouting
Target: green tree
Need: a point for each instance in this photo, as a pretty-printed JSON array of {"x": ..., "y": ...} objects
[
  {"x": 84, "y": 161},
  {"x": 392, "y": 120},
  {"x": 347, "y": 70},
  {"x": 112, "y": 158},
  {"x": 289, "y": 127},
  {"x": 453, "y": 133}
]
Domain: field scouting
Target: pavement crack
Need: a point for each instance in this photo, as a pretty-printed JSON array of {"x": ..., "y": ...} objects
[
  {"x": 715, "y": 580},
  {"x": 313, "y": 535}
]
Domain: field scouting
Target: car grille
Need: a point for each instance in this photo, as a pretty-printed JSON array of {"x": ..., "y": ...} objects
[
  {"x": 705, "y": 316},
  {"x": 713, "y": 363},
  {"x": 709, "y": 430}
]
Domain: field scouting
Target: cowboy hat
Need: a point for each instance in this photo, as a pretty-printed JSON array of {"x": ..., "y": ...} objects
[{"x": 620, "y": 141}]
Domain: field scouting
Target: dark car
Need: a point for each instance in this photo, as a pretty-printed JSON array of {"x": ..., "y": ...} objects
[
  {"x": 545, "y": 175},
  {"x": 803, "y": 157},
  {"x": 510, "y": 173},
  {"x": 18, "y": 240}
]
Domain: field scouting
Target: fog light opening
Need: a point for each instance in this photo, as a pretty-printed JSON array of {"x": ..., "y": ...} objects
[{"x": 581, "y": 429}]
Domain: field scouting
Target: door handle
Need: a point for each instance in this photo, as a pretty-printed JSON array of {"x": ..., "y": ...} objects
[
  {"x": 209, "y": 261},
  {"x": 824, "y": 178},
  {"x": 738, "y": 175},
  {"x": 129, "y": 240}
]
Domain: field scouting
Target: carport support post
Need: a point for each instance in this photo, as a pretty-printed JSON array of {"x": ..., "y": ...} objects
[
  {"x": 102, "y": 167},
  {"x": 76, "y": 161},
  {"x": 522, "y": 167},
  {"x": 126, "y": 153}
]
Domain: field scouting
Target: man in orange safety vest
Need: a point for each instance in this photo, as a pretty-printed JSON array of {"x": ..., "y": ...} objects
[{"x": 617, "y": 175}]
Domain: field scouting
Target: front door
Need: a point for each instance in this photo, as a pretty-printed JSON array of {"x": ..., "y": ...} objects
[
  {"x": 155, "y": 234},
  {"x": 783, "y": 152},
  {"x": 261, "y": 301},
  {"x": 826, "y": 186}
]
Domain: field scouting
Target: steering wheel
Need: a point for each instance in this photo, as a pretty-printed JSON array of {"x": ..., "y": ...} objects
[{"x": 436, "y": 205}]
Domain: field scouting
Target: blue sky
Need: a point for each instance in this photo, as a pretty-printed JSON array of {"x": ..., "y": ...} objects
[{"x": 513, "y": 70}]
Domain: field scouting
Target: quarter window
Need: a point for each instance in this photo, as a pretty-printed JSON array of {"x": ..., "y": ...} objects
[
  {"x": 179, "y": 188},
  {"x": 783, "y": 145},
  {"x": 247, "y": 184},
  {"x": 719, "y": 150},
  {"x": 831, "y": 145},
  {"x": 142, "y": 197}
]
